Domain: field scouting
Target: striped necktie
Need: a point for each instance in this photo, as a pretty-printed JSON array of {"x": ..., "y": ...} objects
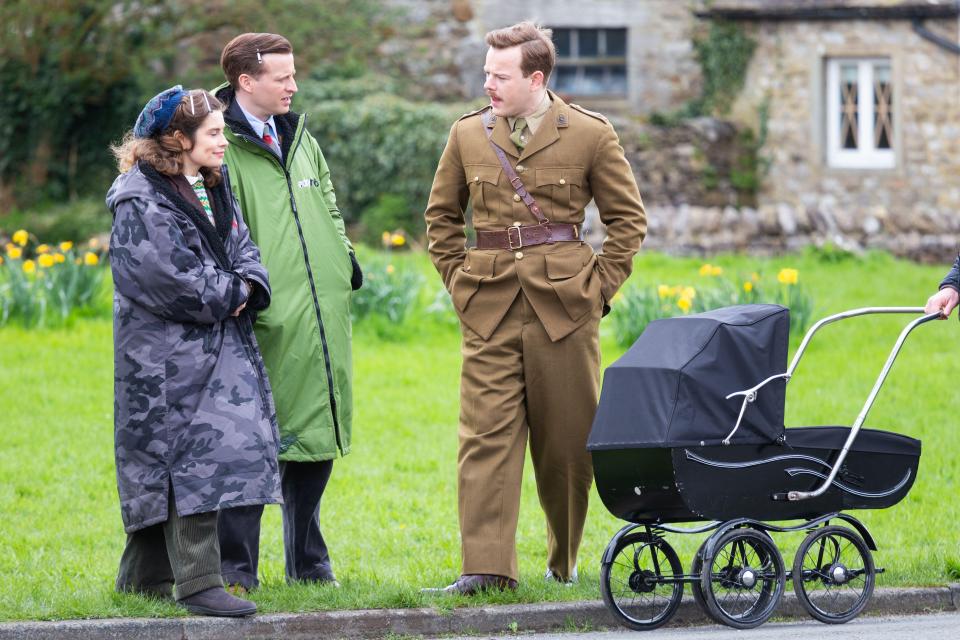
[{"x": 269, "y": 138}]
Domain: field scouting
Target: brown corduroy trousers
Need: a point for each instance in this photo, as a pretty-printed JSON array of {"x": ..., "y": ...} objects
[{"x": 519, "y": 384}]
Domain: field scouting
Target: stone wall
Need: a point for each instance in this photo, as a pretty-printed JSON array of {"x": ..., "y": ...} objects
[
  {"x": 911, "y": 209},
  {"x": 439, "y": 45}
]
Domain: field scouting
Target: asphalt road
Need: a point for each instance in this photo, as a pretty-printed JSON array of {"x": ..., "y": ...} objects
[{"x": 942, "y": 626}]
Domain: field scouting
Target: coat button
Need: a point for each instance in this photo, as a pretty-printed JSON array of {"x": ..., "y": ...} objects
[
  {"x": 563, "y": 181},
  {"x": 520, "y": 168},
  {"x": 476, "y": 178},
  {"x": 466, "y": 268},
  {"x": 516, "y": 197},
  {"x": 519, "y": 255}
]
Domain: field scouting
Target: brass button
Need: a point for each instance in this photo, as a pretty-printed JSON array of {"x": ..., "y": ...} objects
[
  {"x": 516, "y": 224},
  {"x": 563, "y": 181},
  {"x": 516, "y": 197},
  {"x": 520, "y": 168},
  {"x": 519, "y": 255},
  {"x": 476, "y": 178},
  {"x": 466, "y": 268}
]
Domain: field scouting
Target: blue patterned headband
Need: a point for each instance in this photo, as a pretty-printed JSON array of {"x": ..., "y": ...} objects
[{"x": 158, "y": 112}]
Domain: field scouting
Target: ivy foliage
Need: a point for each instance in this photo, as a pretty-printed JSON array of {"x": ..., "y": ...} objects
[{"x": 724, "y": 55}]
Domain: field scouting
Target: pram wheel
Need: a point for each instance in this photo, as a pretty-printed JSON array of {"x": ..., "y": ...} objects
[
  {"x": 833, "y": 574},
  {"x": 744, "y": 579},
  {"x": 641, "y": 585}
]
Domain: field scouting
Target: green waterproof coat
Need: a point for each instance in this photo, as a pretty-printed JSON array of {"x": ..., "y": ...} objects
[{"x": 305, "y": 334}]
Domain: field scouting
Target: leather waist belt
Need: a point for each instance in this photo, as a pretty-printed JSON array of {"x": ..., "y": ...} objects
[{"x": 516, "y": 237}]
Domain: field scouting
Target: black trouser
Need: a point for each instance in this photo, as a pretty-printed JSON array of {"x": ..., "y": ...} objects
[
  {"x": 302, "y": 485},
  {"x": 181, "y": 551}
]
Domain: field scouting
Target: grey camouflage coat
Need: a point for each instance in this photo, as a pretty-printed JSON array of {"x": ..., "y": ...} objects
[{"x": 192, "y": 406}]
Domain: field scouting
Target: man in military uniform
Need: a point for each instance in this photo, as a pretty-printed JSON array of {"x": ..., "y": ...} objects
[{"x": 529, "y": 296}]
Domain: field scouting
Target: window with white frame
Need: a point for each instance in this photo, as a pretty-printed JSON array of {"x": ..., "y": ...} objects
[
  {"x": 590, "y": 62},
  {"x": 860, "y": 106}
]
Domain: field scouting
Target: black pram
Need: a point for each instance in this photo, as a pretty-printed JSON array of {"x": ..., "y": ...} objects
[{"x": 690, "y": 427}]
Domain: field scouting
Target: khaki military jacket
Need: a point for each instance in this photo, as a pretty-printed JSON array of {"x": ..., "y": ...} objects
[{"x": 574, "y": 156}]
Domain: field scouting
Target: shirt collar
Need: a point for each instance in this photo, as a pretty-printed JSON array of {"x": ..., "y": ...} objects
[
  {"x": 256, "y": 123},
  {"x": 535, "y": 118},
  {"x": 193, "y": 179}
]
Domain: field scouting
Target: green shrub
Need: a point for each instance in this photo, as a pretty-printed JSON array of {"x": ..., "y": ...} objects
[
  {"x": 378, "y": 145},
  {"x": 77, "y": 220}
]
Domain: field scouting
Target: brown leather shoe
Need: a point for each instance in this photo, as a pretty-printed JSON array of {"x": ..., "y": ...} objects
[{"x": 472, "y": 583}]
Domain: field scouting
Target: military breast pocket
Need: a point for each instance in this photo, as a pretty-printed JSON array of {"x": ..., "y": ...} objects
[
  {"x": 483, "y": 180},
  {"x": 554, "y": 189}
]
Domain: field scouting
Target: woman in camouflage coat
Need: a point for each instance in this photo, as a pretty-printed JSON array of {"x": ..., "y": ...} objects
[{"x": 195, "y": 425}]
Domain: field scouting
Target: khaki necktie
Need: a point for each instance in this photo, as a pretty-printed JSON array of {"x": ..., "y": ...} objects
[{"x": 517, "y": 136}]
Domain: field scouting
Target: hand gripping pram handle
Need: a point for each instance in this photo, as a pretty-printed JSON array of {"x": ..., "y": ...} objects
[{"x": 750, "y": 394}]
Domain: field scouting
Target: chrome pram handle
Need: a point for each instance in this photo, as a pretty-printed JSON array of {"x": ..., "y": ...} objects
[{"x": 750, "y": 394}]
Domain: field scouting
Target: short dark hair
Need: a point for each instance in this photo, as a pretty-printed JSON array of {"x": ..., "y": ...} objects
[
  {"x": 536, "y": 47},
  {"x": 242, "y": 55}
]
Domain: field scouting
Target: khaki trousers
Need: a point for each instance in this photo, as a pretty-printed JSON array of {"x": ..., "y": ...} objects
[{"x": 515, "y": 384}]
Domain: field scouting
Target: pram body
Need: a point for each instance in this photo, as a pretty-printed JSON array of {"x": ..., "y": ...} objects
[{"x": 690, "y": 428}]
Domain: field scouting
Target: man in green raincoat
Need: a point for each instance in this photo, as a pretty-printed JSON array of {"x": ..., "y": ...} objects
[{"x": 283, "y": 185}]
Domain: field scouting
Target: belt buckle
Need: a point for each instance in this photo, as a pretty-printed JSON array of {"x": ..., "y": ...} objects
[{"x": 510, "y": 238}]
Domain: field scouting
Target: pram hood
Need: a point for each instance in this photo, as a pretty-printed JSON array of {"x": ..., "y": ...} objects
[{"x": 669, "y": 389}]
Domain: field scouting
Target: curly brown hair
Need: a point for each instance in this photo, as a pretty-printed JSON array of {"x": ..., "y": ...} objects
[
  {"x": 536, "y": 47},
  {"x": 163, "y": 151}
]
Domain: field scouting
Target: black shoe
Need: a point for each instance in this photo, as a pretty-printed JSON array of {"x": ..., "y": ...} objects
[
  {"x": 215, "y": 601},
  {"x": 472, "y": 583}
]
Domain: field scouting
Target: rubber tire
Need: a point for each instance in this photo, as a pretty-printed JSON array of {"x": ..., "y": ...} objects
[
  {"x": 675, "y": 598},
  {"x": 869, "y": 582},
  {"x": 706, "y": 582}
]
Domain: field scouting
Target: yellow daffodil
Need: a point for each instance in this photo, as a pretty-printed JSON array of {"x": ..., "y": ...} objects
[
  {"x": 385, "y": 238},
  {"x": 398, "y": 240},
  {"x": 14, "y": 252},
  {"x": 46, "y": 260},
  {"x": 29, "y": 266},
  {"x": 390, "y": 268},
  {"x": 59, "y": 258},
  {"x": 706, "y": 269},
  {"x": 684, "y": 304},
  {"x": 688, "y": 292},
  {"x": 748, "y": 286},
  {"x": 716, "y": 271},
  {"x": 20, "y": 237},
  {"x": 90, "y": 259},
  {"x": 663, "y": 291},
  {"x": 66, "y": 246},
  {"x": 788, "y": 276},
  {"x": 43, "y": 248}
]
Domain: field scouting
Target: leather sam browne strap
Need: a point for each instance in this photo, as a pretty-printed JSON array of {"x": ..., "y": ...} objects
[
  {"x": 517, "y": 236},
  {"x": 511, "y": 172}
]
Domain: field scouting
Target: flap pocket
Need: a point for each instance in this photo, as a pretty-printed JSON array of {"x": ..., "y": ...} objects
[
  {"x": 560, "y": 176},
  {"x": 480, "y": 264},
  {"x": 477, "y": 173},
  {"x": 564, "y": 265}
]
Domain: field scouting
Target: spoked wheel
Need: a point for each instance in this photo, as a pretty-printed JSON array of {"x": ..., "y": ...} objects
[
  {"x": 641, "y": 585},
  {"x": 833, "y": 574},
  {"x": 744, "y": 580}
]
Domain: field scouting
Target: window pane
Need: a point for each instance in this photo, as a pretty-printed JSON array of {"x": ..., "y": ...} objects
[
  {"x": 616, "y": 42},
  {"x": 882, "y": 107},
  {"x": 588, "y": 43},
  {"x": 561, "y": 40},
  {"x": 618, "y": 80},
  {"x": 593, "y": 80},
  {"x": 849, "y": 116},
  {"x": 564, "y": 79}
]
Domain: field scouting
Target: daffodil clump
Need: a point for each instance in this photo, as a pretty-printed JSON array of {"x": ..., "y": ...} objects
[
  {"x": 389, "y": 292},
  {"x": 636, "y": 307},
  {"x": 42, "y": 283},
  {"x": 392, "y": 240}
]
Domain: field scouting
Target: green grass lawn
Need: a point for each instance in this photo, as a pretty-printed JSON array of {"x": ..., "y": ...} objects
[{"x": 390, "y": 510}]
